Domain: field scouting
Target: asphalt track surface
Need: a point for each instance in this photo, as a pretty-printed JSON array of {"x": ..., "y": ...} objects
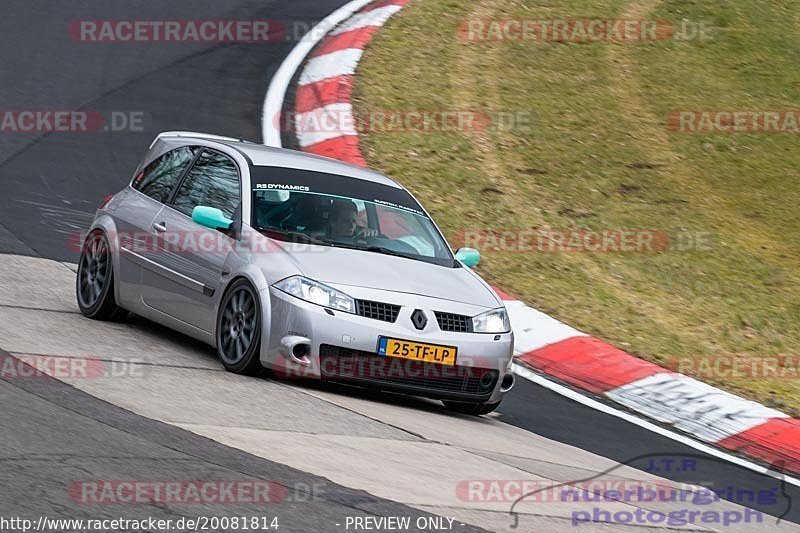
[
  {"x": 50, "y": 185},
  {"x": 55, "y": 434}
]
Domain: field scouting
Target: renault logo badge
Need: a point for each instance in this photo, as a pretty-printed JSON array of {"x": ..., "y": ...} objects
[{"x": 419, "y": 319}]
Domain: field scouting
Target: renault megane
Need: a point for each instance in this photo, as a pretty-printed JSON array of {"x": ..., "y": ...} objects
[{"x": 298, "y": 264}]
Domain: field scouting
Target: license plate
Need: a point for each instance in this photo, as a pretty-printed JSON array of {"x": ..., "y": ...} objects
[{"x": 418, "y": 351}]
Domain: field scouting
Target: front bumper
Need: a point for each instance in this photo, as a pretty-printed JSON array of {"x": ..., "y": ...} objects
[{"x": 342, "y": 347}]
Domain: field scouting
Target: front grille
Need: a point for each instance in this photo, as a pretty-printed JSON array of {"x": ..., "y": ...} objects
[
  {"x": 451, "y": 322},
  {"x": 337, "y": 363},
  {"x": 377, "y": 310}
]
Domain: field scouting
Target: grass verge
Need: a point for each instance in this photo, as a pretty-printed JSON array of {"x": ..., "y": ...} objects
[{"x": 597, "y": 154}]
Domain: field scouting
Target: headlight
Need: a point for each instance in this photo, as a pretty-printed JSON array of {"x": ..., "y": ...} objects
[
  {"x": 317, "y": 293},
  {"x": 495, "y": 321}
]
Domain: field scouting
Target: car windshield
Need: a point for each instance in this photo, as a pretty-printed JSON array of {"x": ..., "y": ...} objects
[{"x": 330, "y": 210}]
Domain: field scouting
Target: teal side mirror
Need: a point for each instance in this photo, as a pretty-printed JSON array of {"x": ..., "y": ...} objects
[
  {"x": 211, "y": 217},
  {"x": 469, "y": 256}
]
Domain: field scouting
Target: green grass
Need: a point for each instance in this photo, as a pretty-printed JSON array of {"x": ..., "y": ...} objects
[{"x": 598, "y": 155}]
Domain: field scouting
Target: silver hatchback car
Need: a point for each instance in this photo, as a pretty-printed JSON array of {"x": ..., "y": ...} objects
[{"x": 299, "y": 264}]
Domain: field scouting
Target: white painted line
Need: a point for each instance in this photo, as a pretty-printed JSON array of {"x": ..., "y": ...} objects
[
  {"x": 707, "y": 412},
  {"x": 376, "y": 17},
  {"x": 323, "y": 123},
  {"x": 542, "y": 381},
  {"x": 273, "y": 101},
  {"x": 332, "y": 65}
]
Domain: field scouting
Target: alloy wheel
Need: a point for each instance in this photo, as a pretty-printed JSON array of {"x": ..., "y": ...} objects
[
  {"x": 93, "y": 271},
  {"x": 238, "y": 325}
]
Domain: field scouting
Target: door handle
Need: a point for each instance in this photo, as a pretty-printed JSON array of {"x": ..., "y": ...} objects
[{"x": 160, "y": 227}]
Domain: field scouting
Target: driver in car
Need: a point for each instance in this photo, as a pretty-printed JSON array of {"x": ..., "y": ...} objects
[{"x": 343, "y": 215}]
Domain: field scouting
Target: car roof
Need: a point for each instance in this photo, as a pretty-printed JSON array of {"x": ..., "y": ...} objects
[{"x": 261, "y": 155}]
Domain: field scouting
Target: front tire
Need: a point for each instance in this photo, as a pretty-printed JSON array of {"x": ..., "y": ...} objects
[
  {"x": 467, "y": 408},
  {"x": 94, "y": 285},
  {"x": 239, "y": 329}
]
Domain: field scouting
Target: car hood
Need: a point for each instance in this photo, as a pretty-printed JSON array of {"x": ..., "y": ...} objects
[{"x": 341, "y": 266}]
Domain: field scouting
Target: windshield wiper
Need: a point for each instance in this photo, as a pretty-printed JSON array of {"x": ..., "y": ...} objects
[
  {"x": 338, "y": 244},
  {"x": 388, "y": 251},
  {"x": 375, "y": 249}
]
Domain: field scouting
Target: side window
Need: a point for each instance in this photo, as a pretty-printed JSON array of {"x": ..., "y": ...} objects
[
  {"x": 213, "y": 181},
  {"x": 159, "y": 177}
]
